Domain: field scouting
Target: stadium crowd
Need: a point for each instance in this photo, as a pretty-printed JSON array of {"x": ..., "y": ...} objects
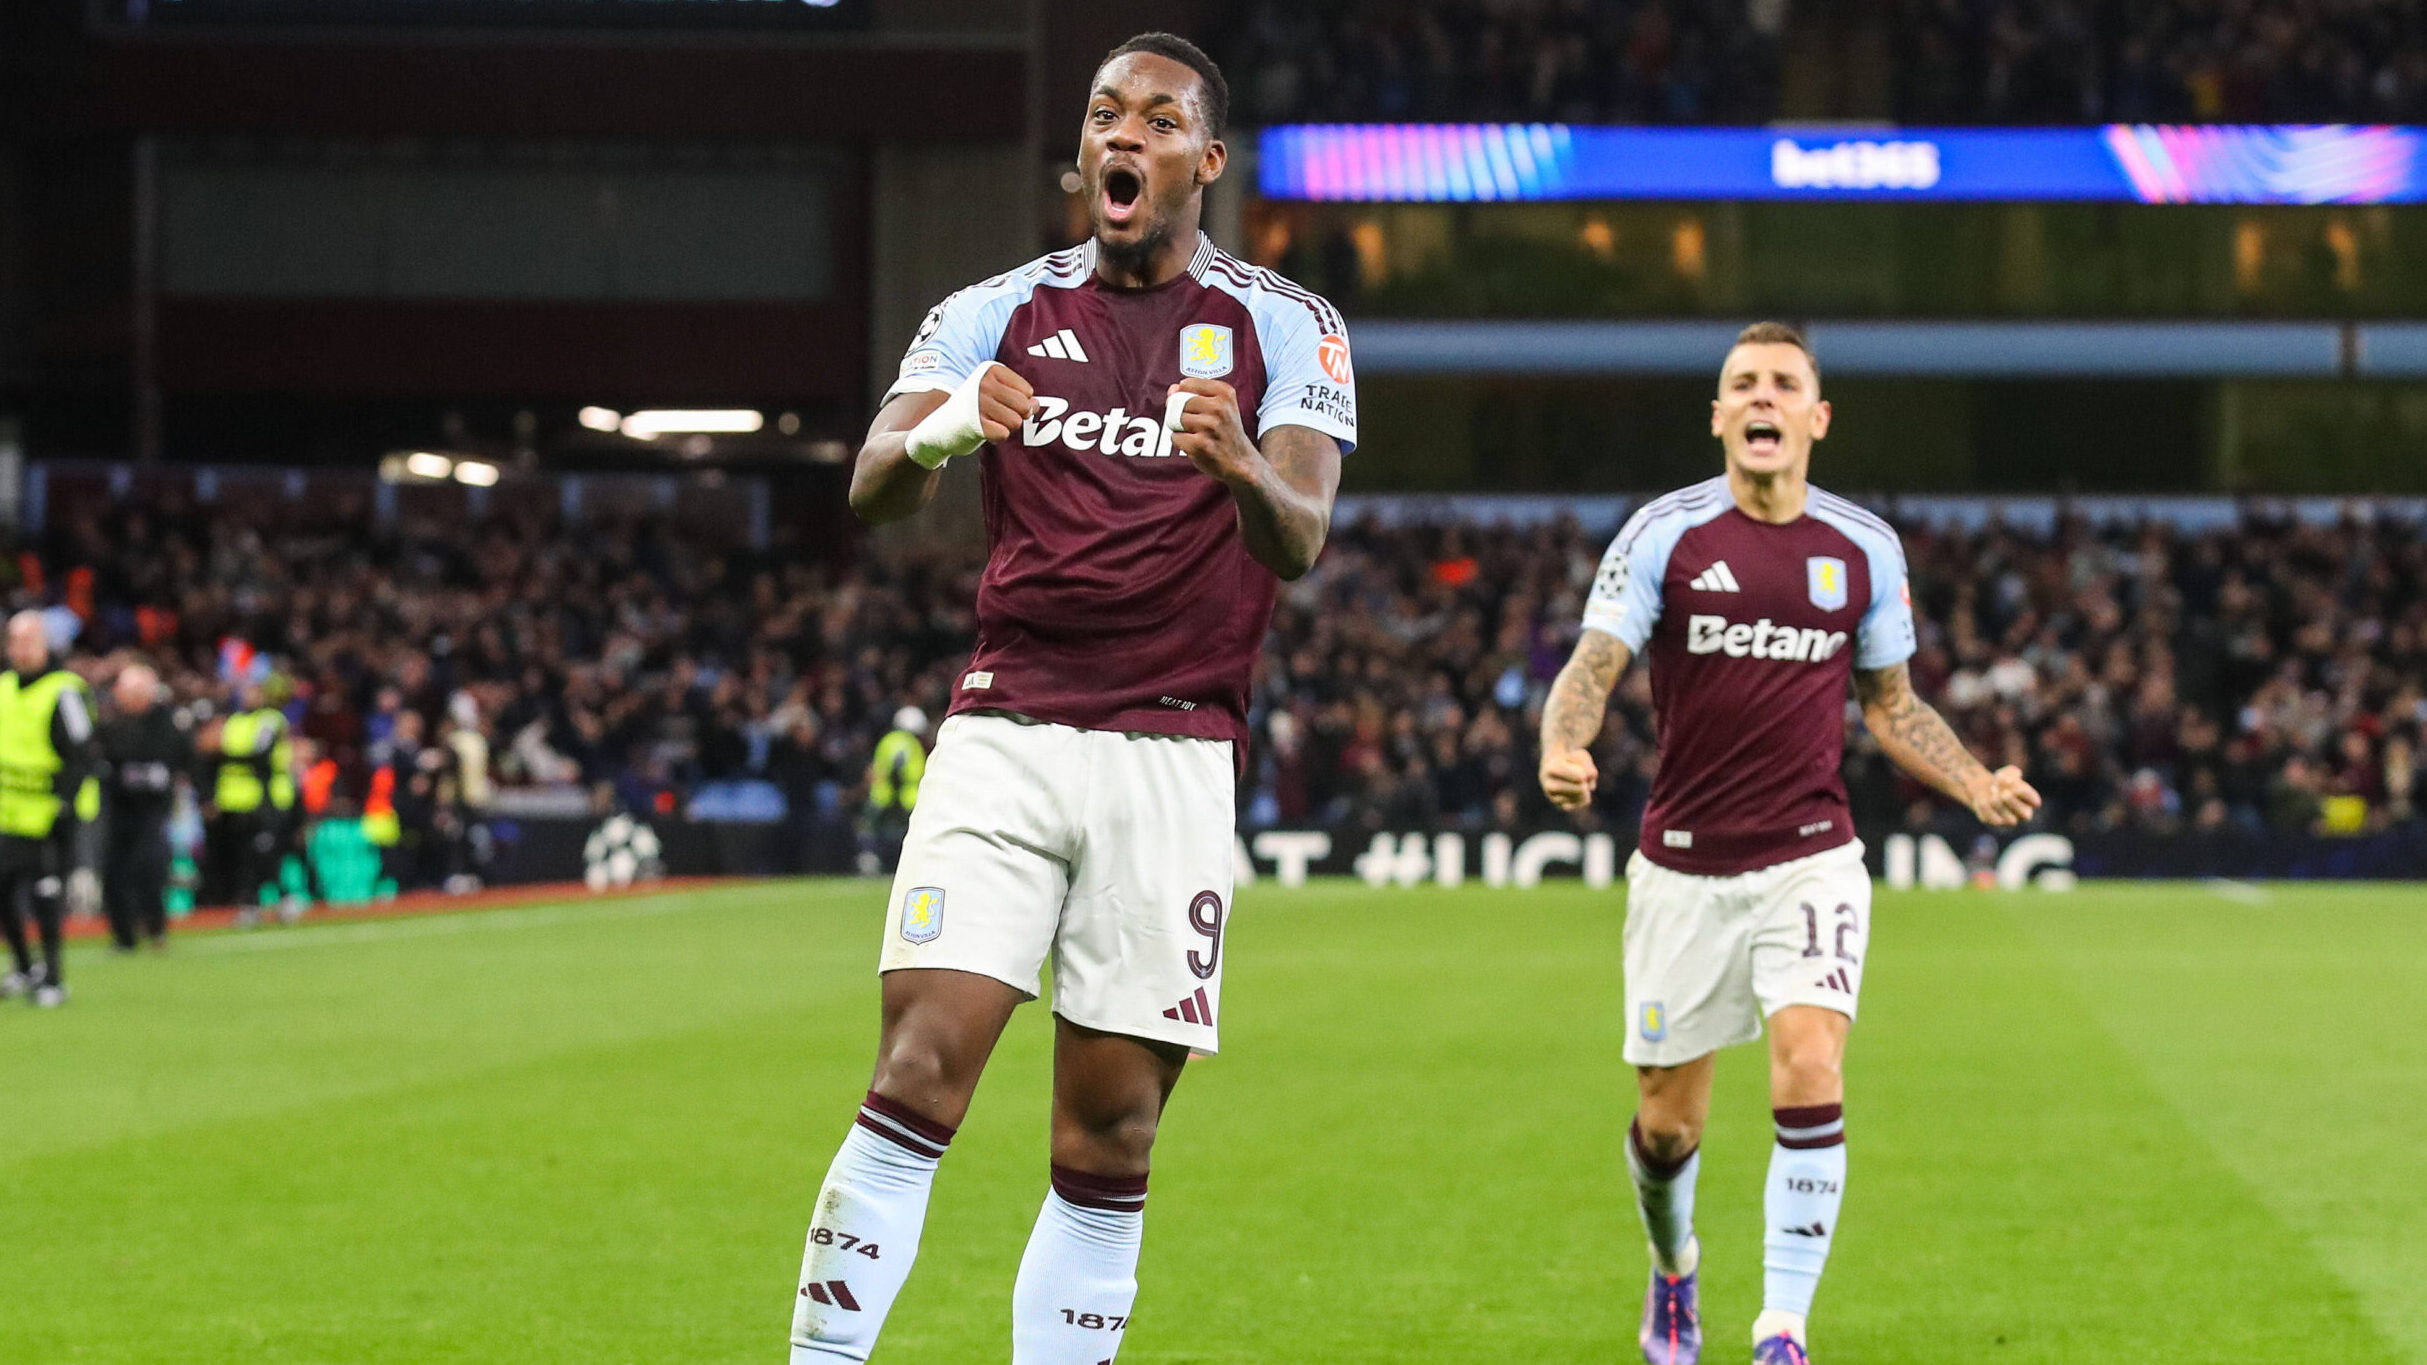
[
  {"x": 2186, "y": 61},
  {"x": 1610, "y": 61},
  {"x": 1718, "y": 61},
  {"x": 2267, "y": 677},
  {"x": 618, "y": 659}
]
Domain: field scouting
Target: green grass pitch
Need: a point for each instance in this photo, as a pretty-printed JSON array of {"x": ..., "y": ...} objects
[{"x": 2129, "y": 1124}]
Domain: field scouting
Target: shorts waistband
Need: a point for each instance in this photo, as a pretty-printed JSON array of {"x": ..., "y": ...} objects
[{"x": 1851, "y": 850}]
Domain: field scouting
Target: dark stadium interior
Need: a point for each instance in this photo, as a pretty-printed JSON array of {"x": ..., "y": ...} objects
[{"x": 232, "y": 242}]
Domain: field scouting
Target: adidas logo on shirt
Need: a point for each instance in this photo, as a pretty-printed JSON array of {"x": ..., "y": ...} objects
[
  {"x": 1715, "y": 579},
  {"x": 1062, "y": 345}
]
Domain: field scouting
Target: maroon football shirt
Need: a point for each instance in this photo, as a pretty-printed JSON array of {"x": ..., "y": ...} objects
[
  {"x": 1118, "y": 594},
  {"x": 1754, "y": 631}
]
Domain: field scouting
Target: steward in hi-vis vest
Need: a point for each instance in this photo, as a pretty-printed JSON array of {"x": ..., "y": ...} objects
[
  {"x": 900, "y": 762},
  {"x": 252, "y": 792},
  {"x": 894, "y": 774},
  {"x": 46, "y": 792}
]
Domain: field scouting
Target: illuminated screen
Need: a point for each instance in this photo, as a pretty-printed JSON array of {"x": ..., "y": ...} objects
[{"x": 2120, "y": 163}]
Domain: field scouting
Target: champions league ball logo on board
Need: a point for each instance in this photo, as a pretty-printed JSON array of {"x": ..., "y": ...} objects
[{"x": 621, "y": 851}]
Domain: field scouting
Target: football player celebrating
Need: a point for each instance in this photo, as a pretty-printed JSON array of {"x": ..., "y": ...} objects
[
  {"x": 1159, "y": 427},
  {"x": 1758, "y": 597}
]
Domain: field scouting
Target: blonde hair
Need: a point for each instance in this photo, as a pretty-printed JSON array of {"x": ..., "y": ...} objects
[{"x": 1780, "y": 334}]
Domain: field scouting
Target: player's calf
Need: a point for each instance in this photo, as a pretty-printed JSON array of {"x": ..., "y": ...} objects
[
  {"x": 865, "y": 1233},
  {"x": 1805, "y": 1191},
  {"x": 1079, "y": 1276},
  {"x": 1664, "y": 1176}
]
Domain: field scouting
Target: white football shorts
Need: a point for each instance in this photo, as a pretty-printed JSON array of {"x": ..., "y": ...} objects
[
  {"x": 1709, "y": 958},
  {"x": 1110, "y": 851}
]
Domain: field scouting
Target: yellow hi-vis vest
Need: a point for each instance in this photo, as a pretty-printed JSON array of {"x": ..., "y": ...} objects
[
  {"x": 893, "y": 776},
  {"x": 29, "y": 763},
  {"x": 256, "y": 758}
]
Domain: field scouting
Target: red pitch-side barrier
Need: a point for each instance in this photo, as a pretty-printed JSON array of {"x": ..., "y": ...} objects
[{"x": 421, "y": 903}]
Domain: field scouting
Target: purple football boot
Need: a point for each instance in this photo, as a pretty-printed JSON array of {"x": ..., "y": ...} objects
[
  {"x": 1780, "y": 1350},
  {"x": 1672, "y": 1321}
]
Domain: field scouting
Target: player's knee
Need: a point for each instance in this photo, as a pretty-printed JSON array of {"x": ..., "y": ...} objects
[
  {"x": 1808, "y": 1073},
  {"x": 924, "y": 1077},
  {"x": 1667, "y": 1137},
  {"x": 1106, "y": 1138}
]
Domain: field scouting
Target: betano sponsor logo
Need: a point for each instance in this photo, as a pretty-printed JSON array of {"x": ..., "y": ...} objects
[
  {"x": 1108, "y": 433},
  {"x": 1760, "y": 640}
]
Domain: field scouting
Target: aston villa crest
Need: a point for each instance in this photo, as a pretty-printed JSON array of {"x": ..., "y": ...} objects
[
  {"x": 1205, "y": 351},
  {"x": 922, "y": 913}
]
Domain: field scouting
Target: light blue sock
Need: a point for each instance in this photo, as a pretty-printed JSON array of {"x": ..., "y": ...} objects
[
  {"x": 1807, "y": 1186},
  {"x": 1079, "y": 1276},
  {"x": 1665, "y": 1196}
]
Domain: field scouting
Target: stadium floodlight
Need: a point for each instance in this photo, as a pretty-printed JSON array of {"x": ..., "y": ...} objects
[
  {"x": 602, "y": 419},
  {"x": 656, "y": 422},
  {"x": 477, "y": 473},
  {"x": 428, "y": 464}
]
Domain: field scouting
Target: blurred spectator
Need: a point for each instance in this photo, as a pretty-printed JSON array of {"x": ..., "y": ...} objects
[
  {"x": 1718, "y": 61},
  {"x": 2161, "y": 61},
  {"x": 1609, "y": 61}
]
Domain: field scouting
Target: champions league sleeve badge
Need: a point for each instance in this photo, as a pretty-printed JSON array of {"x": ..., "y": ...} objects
[
  {"x": 1828, "y": 578},
  {"x": 1205, "y": 351}
]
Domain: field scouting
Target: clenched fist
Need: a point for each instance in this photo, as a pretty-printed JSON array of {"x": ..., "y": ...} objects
[
  {"x": 1005, "y": 399},
  {"x": 2001, "y": 798},
  {"x": 1210, "y": 432},
  {"x": 1568, "y": 778}
]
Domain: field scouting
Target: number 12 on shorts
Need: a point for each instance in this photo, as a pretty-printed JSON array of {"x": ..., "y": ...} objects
[{"x": 1847, "y": 920}]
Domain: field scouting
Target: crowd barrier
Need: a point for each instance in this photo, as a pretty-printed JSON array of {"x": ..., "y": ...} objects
[{"x": 555, "y": 849}]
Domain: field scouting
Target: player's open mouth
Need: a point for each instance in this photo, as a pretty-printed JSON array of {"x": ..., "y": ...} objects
[
  {"x": 1122, "y": 187},
  {"x": 1760, "y": 435}
]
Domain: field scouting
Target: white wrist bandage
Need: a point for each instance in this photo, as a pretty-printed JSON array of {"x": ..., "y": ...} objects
[{"x": 953, "y": 429}]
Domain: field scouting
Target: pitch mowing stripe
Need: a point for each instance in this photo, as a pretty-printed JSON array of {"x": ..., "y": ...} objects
[
  {"x": 2026, "y": 1140},
  {"x": 478, "y": 921},
  {"x": 2244, "y": 1026},
  {"x": 153, "y": 1044}
]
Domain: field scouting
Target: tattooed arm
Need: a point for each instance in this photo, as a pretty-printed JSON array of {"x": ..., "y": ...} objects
[
  {"x": 1284, "y": 490},
  {"x": 1917, "y": 738},
  {"x": 1571, "y": 719}
]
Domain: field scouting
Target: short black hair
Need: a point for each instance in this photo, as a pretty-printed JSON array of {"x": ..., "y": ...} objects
[{"x": 1187, "y": 54}]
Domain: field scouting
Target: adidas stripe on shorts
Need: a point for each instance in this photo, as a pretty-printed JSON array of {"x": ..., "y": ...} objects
[
  {"x": 1106, "y": 851},
  {"x": 1709, "y": 958}
]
